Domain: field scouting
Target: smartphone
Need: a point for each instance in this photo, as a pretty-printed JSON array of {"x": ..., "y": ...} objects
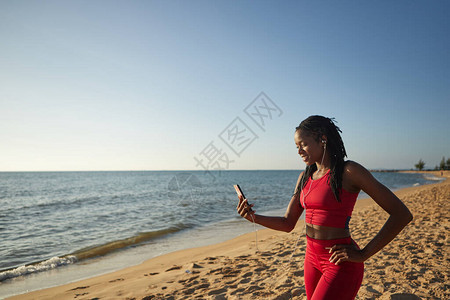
[{"x": 238, "y": 190}]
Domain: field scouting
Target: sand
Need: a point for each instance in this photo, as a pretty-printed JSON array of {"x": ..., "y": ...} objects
[{"x": 415, "y": 265}]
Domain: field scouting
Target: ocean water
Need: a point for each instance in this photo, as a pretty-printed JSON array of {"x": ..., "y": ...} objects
[{"x": 63, "y": 220}]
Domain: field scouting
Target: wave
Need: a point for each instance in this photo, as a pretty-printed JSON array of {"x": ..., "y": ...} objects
[
  {"x": 88, "y": 252},
  {"x": 101, "y": 250},
  {"x": 49, "y": 264}
]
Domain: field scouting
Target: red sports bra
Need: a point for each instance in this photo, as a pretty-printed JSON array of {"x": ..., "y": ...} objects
[{"x": 321, "y": 205}]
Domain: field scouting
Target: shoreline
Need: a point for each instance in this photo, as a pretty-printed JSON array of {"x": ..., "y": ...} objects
[
  {"x": 124, "y": 243},
  {"x": 178, "y": 272}
]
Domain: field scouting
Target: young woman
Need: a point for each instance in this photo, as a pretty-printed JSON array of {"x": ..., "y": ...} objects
[{"x": 327, "y": 190}]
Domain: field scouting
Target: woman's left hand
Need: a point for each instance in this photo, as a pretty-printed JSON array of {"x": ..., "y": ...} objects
[{"x": 341, "y": 253}]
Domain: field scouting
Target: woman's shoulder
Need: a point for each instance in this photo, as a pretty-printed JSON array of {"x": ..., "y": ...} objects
[
  {"x": 355, "y": 173},
  {"x": 351, "y": 166}
]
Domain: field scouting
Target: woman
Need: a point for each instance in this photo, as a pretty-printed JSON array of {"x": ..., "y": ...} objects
[{"x": 327, "y": 190}]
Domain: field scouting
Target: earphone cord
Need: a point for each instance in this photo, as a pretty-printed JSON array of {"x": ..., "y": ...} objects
[
  {"x": 296, "y": 244},
  {"x": 304, "y": 204},
  {"x": 324, "y": 150},
  {"x": 288, "y": 266},
  {"x": 256, "y": 232}
]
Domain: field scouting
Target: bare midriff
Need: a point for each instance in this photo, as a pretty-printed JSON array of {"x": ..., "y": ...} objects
[{"x": 326, "y": 233}]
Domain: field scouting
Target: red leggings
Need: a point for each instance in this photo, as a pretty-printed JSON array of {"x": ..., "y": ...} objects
[{"x": 325, "y": 280}]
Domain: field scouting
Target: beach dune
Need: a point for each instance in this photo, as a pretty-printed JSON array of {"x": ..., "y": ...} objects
[{"x": 414, "y": 266}]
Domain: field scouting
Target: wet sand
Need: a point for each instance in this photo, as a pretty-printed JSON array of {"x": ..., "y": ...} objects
[{"x": 415, "y": 265}]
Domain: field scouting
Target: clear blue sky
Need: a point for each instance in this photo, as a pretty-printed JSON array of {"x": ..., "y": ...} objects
[{"x": 147, "y": 85}]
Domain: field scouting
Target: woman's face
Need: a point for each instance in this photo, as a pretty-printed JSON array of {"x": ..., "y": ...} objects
[{"x": 309, "y": 149}]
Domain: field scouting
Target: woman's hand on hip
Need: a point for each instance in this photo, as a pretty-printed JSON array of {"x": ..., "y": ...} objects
[{"x": 341, "y": 253}]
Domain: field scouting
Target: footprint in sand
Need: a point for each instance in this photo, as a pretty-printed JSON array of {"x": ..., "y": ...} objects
[
  {"x": 189, "y": 284},
  {"x": 203, "y": 286},
  {"x": 288, "y": 285},
  {"x": 192, "y": 279},
  {"x": 284, "y": 253},
  {"x": 189, "y": 291},
  {"x": 247, "y": 274},
  {"x": 401, "y": 296},
  {"x": 214, "y": 271},
  {"x": 260, "y": 269},
  {"x": 240, "y": 266},
  {"x": 243, "y": 256},
  {"x": 239, "y": 290},
  {"x": 253, "y": 288},
  {"x": 231, "y": 274},
  {"x": 265, "y": 254},
  {"x": 371, "y": 289},
  {"x": 214, "y": 260},
  {"x": 245, "y": 280},
  {"x": 211, "y": 258},
  {"x": 118, "y": 279},
  {"x": 79, "y": 288},
  {"x": 173, "y": 268},
  {"x": 218, "y": 291}
]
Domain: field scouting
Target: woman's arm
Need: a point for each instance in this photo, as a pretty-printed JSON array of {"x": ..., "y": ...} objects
[
  {"x": 286, "y": 223},
  {"x": 399, "y": 215}
]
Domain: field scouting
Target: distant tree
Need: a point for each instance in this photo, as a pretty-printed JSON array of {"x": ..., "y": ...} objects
[
  {"x": 420, "y": 165},
  {"x": 442, "y": 164},
  {"x": 448, "y": 163}
]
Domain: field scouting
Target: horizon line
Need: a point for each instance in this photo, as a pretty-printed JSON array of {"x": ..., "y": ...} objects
[{"x": 188, "y": 170}]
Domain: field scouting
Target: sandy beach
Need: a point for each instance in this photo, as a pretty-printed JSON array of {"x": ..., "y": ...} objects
[{"x": 414, "y": 266}]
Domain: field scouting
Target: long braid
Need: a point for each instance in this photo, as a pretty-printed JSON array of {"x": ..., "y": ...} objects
[{"x": 319, "y": 126}]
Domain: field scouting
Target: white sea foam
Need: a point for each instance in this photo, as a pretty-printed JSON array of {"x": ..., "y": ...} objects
[
  {"x": 435, "y": 178},
  {"x": 49, "y": 264}
]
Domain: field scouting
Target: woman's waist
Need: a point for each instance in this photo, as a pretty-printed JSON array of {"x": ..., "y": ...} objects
[
  {"x": 326, "y": 233},
  {"x": 330, "y": 218}
]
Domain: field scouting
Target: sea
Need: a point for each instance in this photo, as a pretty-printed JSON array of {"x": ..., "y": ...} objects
[{"x": 59, "y": 227}]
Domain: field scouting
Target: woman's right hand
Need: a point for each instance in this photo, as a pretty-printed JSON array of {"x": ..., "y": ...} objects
[{"x": 245, "y": 209}]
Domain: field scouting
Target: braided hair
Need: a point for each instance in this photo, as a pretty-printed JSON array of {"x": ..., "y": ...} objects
[{"x": 318, "y": 126}]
